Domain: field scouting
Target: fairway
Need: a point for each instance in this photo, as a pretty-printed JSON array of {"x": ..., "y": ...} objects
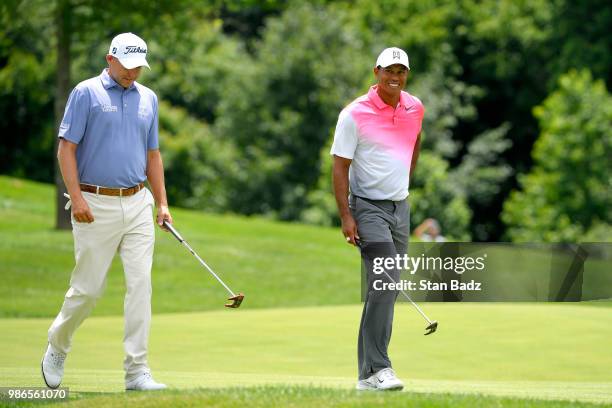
[{"x": 490, "y": 349}]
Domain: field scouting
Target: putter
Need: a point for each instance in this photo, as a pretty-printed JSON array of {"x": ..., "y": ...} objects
[
  {"x": 236, "y": 299},
  {"x": 432, "y": 324}
]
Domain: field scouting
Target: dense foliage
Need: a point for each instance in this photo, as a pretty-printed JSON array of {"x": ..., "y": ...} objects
[
  {"x": 251, "y": 92},
  {"x": 569, "y": 190}
]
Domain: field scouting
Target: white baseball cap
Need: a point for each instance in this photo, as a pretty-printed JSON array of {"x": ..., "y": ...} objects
[
  {"x": 393, "y": 55},
  {"x": 130, "y": 50}
]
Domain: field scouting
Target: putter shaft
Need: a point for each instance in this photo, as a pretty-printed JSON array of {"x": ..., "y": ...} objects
[
  {"x": 236, "y": 299},
  {"x": 410, "y": 299},
  {"x": 208, "y": 267},
  {"x": 432, "y": 324}
]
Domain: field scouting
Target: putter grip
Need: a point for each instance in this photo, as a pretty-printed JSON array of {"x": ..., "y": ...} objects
[{"x": 173, "y": 231}]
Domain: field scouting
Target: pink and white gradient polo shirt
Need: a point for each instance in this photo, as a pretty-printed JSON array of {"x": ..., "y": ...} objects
[{"x": 380, "y": 141}]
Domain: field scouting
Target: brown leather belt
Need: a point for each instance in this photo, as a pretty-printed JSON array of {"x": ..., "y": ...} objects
[{"x": 117, "y": 192}]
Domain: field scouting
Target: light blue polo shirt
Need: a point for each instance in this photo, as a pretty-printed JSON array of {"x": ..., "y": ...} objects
[{"x": 114, "y": 128}]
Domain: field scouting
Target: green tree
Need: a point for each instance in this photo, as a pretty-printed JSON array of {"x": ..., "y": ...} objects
[
  {"x": 194, "y": 74},
  {"x": 198, "y": 165},
  {"x": 569, "y": 190},
  {"x": 445, "y": 40},
  {"x": 481, "y": 176},
  {"x": 434, "y": 194},
  {"x": 581, "y": 39},
  {"x": 321, "y": 202},
  {"x": 26, "y": 101},
  {"x": 279, "y": 110}
]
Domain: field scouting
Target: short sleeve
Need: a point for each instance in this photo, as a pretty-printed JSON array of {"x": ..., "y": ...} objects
[
  {"x": 153, "y": 136},
  {"x": 75, "y": 117},
  {"x": 345, "y": 137}
]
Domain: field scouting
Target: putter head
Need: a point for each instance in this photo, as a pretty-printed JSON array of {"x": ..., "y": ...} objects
[
  {"x": 431, "y": 328},
  {"x": 236, "y": 301}
]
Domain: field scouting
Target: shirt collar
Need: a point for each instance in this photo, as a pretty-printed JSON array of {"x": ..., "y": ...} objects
[
  {"x": 380, "y": 104},
  {"x": 108, "y": 81},
  {"x": 375, "y": 98},
  {"x": 404, "y": 100}
]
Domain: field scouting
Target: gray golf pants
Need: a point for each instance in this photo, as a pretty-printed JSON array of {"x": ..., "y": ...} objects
[{"x": 384, "y": 228}]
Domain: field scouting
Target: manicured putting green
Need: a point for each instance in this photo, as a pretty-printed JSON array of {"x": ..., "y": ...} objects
[{"x": 543, "y": 351}]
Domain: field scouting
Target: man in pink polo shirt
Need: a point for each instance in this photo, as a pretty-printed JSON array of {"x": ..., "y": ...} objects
[{"x": 375, "y": 149}]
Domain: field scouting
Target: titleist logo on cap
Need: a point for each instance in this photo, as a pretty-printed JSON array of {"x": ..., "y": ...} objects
[{"x": 130, "y": 49}]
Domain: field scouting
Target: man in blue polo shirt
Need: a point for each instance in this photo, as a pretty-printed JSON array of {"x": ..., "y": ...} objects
[{"x": 108, "y": 147}]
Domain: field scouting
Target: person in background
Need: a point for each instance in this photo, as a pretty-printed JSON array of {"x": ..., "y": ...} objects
[{"x": 429, "y": 231}]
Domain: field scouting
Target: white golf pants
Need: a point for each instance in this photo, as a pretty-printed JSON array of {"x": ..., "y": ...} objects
[{"x": 124, "y": 225}]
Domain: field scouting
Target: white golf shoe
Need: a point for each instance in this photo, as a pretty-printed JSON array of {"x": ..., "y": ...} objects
[
  {"x": 52, "y": 367},
  {"x": 366, "y": 385},
  {"x": 144, "y": 382},
  {"x": 383, "y": 380}
]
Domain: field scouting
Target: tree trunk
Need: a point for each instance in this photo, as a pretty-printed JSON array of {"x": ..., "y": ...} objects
[{"x": 63, "y": 17}]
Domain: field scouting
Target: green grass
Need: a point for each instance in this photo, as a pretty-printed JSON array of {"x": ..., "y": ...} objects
[
  {"x": 540, "y": 351},
  {"x": 293, "y": 341},
  {"x": 300, "y": 396},
  {"x": 275, "y": 264}
]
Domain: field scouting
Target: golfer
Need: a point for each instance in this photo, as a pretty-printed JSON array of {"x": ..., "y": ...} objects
[
  {"x": 108, "y": 147},
  {"x": 375, "y": 149}
]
